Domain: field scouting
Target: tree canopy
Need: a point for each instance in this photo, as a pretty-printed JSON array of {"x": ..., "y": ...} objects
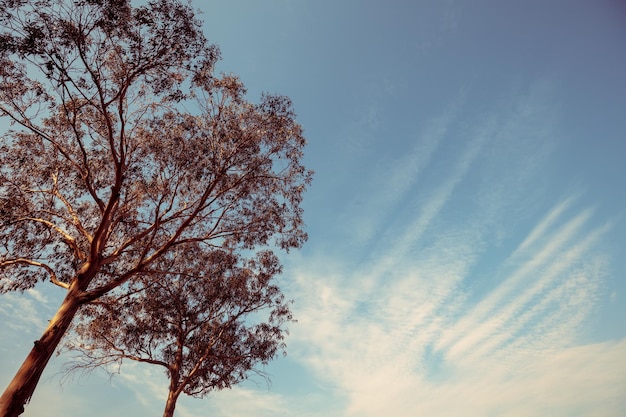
[
  {"x": 124, "y": 148},
  {"x": 208, "y": 320}
]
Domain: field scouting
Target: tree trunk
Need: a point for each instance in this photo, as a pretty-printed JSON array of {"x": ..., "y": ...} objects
[
  {"x": 21, "y": 388},
  {"x": 170, "y": 405}
]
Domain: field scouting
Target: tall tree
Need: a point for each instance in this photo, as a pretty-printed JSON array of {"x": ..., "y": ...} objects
[
  {"x": 105, "y": 170},
  {"x": 207, "y": 325}
]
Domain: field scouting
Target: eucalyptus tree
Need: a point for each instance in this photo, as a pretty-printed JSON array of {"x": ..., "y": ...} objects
[
  {"x": 208, "y": 321},
  {"x": 125, "y": 146}
]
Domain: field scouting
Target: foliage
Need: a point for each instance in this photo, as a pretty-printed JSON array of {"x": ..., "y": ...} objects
[
  {"x": 208, "y": 320},
  {"x": 126, "y": 149}
]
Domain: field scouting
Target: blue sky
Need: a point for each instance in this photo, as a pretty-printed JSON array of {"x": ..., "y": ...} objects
[{"x": 467, "y": 219}]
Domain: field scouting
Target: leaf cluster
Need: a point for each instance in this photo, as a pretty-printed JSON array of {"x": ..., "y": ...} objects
[
  {"x": 209, "y": 320},
  {"x": 107, "y": 170}
]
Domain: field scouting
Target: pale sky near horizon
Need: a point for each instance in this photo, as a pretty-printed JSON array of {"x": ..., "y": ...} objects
[{"x": 467, "y": 218}]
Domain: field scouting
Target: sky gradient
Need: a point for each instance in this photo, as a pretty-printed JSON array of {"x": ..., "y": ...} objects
[{"x": 467, "y": 218}]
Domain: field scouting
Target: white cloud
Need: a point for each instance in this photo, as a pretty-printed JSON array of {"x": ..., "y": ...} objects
[
  {"x": 37, "y": 295},
  {"x": 420, "y": 326},
  {"x": 442, "y": 320},
  {"x": 21, "y": 312},
  {"x": 240, "y": 401},
  {"x": 379, "y": 351},
  {"x": 584, "y": 381},
  {"x": 389, "y": 180},
  {"x": 526, "y": 290}
]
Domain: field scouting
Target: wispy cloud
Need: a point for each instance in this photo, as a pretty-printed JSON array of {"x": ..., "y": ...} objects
[
  {"x": 23, "y": 312},
  {"x": 240, "y": 401},
  {"x": 469, "y": 300},
  {"x": 526, "y": 282},
  {"x": 400, "y": 175},
  {"x": 443, "y": 320},
  {"x": 416, "y": 339}
]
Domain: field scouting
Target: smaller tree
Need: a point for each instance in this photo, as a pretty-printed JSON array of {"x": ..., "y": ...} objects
[{"x": 208, "y": 324}]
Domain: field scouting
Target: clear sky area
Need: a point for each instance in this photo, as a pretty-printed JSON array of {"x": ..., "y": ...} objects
[{"x": 467, "y": 220}]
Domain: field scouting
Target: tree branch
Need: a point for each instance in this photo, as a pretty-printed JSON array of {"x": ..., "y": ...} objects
[
  {"x": 53, "y": 277},
  {"x": 75, "y": 220},
  {"x": 66, "y": 236}
]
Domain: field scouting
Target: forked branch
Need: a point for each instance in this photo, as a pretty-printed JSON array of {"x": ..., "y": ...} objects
[{"x": 30, "y": 262}]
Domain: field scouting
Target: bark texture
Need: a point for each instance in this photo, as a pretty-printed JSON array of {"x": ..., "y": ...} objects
[
  {"x": 170, "y": 404},
  {"x": 21, "y": 388}
]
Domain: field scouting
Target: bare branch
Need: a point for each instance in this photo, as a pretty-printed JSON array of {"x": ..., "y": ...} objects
[
  {"x": 75, "y": 219},
  {"x": 30, "y": 262}
]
